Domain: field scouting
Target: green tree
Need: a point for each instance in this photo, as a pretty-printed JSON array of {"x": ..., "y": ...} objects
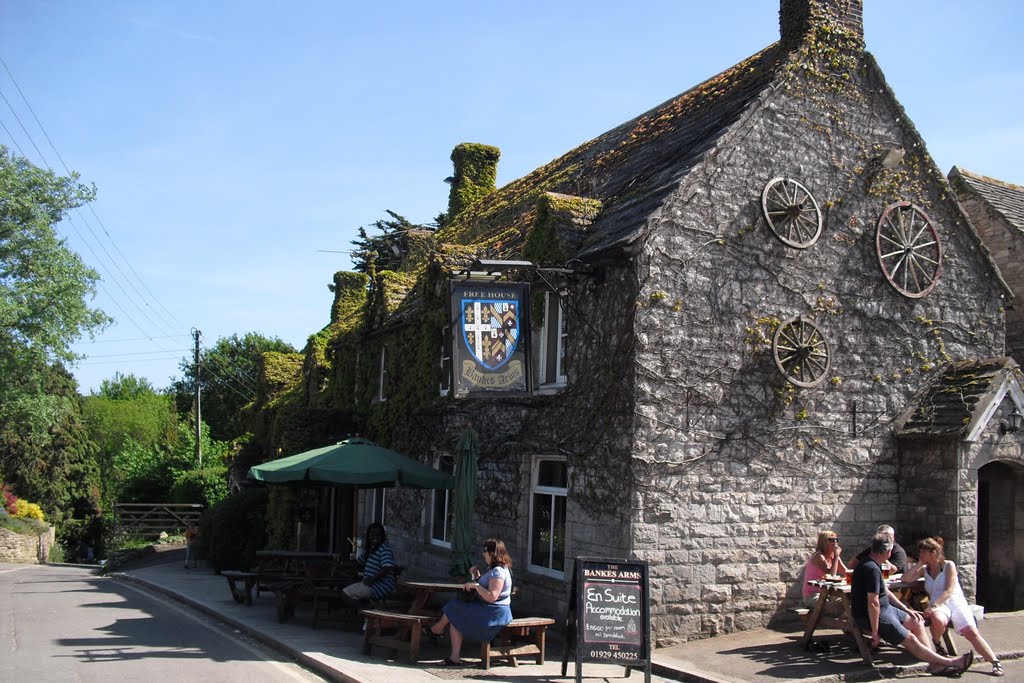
[
  {"x": 44, "y": 293},
  {"x": 122, "y": 387},
  {"x": 125, "y": 410},
  {"x": 148, "y": 474},
  {"x": 60, "y": 474},
  {"x": 227, "y": 379}
]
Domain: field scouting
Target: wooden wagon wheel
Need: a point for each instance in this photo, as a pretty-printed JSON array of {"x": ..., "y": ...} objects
[
  {"x": 791, "y": 212},
  {"x": 801, "y": 352},
  {"x": 908, "y": 249}
]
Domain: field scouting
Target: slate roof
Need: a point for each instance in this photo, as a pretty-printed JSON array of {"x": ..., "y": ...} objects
[
  {"x": 631, "y": 168},
  {"x": 1004, "y": 198},
  {"x": 962, "y": 392}
]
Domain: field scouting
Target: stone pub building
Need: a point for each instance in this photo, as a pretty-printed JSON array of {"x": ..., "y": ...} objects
[{"x": 754, "y": 312}]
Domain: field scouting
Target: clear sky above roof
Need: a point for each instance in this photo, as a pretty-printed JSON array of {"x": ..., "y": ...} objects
[{"x": 237, "y": 145}]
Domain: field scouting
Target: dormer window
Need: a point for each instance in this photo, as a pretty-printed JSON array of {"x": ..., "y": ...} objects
[
  {"x": 552, "y": 339},
  {"x": 383, "y": 375},
  {"x": 446, "y": 362}
]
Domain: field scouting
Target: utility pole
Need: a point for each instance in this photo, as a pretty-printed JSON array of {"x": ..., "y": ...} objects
[{"x": 196, "y": 335}]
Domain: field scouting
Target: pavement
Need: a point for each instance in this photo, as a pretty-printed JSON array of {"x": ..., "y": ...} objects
[{"x": 753, "y": 656}]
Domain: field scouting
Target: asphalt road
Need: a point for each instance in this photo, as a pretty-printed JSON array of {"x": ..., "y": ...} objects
[{"x": 66, "y": 624}]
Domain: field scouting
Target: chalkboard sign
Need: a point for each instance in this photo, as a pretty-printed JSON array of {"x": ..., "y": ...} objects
[{"x": 610, "y": 605}]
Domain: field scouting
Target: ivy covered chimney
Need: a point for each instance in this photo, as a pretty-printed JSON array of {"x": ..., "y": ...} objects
[
  {"x": 476, "y": 173},
  {"x": 842, "y": 20}
]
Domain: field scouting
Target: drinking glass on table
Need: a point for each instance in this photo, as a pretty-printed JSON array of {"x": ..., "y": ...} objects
[{"x": 887, "y": 569}]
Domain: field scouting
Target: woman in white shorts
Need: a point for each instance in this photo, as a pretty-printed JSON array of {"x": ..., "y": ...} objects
[{"x": 947, "y": 602}]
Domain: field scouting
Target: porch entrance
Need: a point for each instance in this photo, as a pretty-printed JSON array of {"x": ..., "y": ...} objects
[{"x": 1001, "y": 537}]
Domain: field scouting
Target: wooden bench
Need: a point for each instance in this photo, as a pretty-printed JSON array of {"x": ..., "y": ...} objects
[
  {"x": 521, "y": 637},
  {"x": 326, "y": 597},
  {"x": 241, "y": 593},
  {"x": 394, "y": 631},
  {"x": 242, "y": 584}
]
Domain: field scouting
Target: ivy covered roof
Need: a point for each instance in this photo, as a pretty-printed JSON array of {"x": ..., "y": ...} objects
[
  {"x": 630, "y": 169},
  {"x": 1005, "y": 199}
]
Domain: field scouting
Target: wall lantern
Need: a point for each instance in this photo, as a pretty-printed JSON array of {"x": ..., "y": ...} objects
[{"x": 1013, "y": 422}]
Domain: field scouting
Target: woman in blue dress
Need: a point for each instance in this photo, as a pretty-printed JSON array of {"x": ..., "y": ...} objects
[{"x": 490, "y": 611}]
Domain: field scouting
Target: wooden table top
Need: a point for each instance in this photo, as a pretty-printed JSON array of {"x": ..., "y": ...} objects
[{"x": 432, "y": 586}]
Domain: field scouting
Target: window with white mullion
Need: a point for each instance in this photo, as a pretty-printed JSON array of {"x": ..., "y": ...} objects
[
  {"x": 383, "y": 377},
  {"x": 549, "y": 494},
  {"x": 446, "y": 363},
  {"x": 442, "y": 514},
  {"x": 552, "y": 339}
]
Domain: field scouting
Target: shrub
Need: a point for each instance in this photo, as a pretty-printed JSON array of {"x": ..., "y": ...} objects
[
  {"x": 233, "y": 530},
  {"x": 208, "y": 486},
  {"x": 56, "y": 553},
  {"x": 10, "y": 501},
  {"x": 27, "y": 510}
]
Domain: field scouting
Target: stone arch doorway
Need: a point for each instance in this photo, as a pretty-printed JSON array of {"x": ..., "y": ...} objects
[{"x": 1001, "y": 537}]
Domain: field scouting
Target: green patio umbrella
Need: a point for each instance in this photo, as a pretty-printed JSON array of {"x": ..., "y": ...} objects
[
  {"x": 354, "y": 462},
  {"x": 466, "y": 453}
]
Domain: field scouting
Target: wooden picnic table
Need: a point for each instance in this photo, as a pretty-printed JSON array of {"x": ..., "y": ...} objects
[
  {"x": 830, "y": 589},
  {"x": 291, "y": 575},
  {"x": 422, "y": 590}
]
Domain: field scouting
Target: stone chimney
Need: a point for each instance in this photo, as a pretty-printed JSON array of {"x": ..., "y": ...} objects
[
  {"x": 476, "y": 174},
  {"x": 797, "y": 18}
]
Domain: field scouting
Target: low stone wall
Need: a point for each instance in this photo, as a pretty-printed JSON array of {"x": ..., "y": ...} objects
[{"x": 26, "y": 549}]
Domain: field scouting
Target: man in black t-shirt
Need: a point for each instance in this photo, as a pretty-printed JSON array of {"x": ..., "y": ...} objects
[
  {"x": 881, "y": 615},
  {"x": 898, "y": 558}
]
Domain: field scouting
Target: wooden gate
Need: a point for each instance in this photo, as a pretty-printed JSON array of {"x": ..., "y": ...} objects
[{"x": 150, "y": 519}]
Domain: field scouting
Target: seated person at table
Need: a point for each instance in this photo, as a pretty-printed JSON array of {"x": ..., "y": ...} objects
[
  {"x": 378, "y": 563},
  {"x": 824, "y": 560},
  {"x": 947, "y": 599},
  {"x": 881, "y": 614},
  {"x": 899, "y": 555},
  {"x": 490, "y": 611}
]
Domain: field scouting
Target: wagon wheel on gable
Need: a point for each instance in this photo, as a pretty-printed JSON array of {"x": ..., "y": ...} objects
[
  {"x": 801, "y": 352},
  {"x": 908, "y": 249},
  {"x": 791, "y": 212}
]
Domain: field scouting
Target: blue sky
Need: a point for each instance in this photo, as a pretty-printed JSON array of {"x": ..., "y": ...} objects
[{"x": 234, "y": 143}]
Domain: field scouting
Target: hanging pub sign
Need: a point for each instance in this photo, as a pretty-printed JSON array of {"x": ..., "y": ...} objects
[{"x": 490, "y": 326}]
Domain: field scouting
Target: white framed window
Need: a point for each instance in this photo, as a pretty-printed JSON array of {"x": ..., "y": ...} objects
[
  {"x": 552, "y": 339},
  {"x": 383, "y": 375},
  {"x": 446, "y": 362},
  {"x": 548, "y": 496},
  {"x": 378, "y": 504},
  {"x": 443, "y": 511}
]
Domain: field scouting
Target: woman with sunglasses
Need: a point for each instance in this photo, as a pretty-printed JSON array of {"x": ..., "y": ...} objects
[
  {"x": 825, "y": 560},
  {"x": 482, "y": 618},
  {"x": 947, "y": 601}
]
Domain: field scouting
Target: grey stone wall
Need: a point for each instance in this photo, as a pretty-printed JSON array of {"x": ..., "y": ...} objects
[
  {"x": 1006, "y": 244},
  {"x": 21, "y": 549},
  {"x": 931, "y": 500},
  {"x": 738, "y": 471}
]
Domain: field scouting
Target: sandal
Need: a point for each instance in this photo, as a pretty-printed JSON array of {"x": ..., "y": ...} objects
[
  {"x": 451, "y": 662},
  {"x": 997, "y": 668},
  {"x": 952, "y": 671},
  {"x": 968, "y": 660}
]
